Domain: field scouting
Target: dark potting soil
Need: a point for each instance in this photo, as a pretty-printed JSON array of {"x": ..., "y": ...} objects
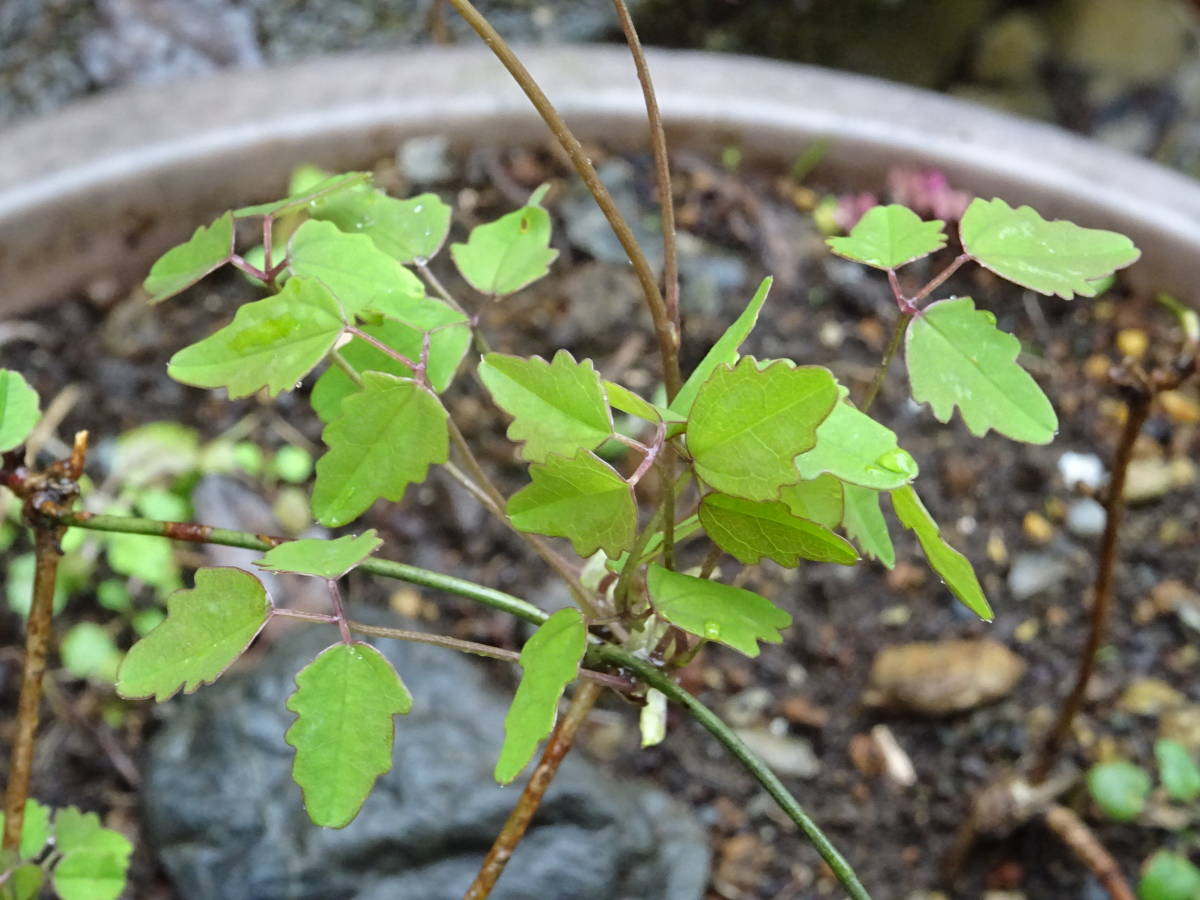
[{"x": 1003, "y": 504}]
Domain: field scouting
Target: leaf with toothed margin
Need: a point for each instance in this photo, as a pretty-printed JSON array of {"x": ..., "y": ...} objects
[
  {"x": 390, "y": 431},
  {"x": 410, "y": 231},
  {"x": 209, "y": 248},
  {"x": 206, "y": 629},
  {"x": 271, "y": 343},
  {"x": 18, "y": 409},
  {"x": 951, "y": 566},
  {"x": 345, "y": 701},
  {"x": 958, "y": 357},
  {"x": 864, "y": 523},
  {"x": 549, "y": 662},
  {"x": 888, "y": 237},
  {"x": 749, "y": 530},
  {"x": 331, "y": 558},
  {"x": 504, "y": 256}
]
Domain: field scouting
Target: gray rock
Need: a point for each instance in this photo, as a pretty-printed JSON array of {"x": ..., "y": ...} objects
[
  {"x": 1082, "y": 468},
  {"x": 228, "y": 823},
  {"x": 1085, "y": 518},
  {"x": 791, "y": 757},
  {"x": 1032, "y": 573}
]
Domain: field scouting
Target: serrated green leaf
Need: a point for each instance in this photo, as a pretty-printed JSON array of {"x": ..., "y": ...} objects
[
  {"x": 90, "y": 875},
  {"x": 888, "y": 237},
  {"x": 557, "y": 407},
  {"x": 362, "y": 277},
  {"x": 389, "y": 433},
  {"x": 718, "y": 612},
  {"x": 1169, "y": 876},
  {"x": 957, "y": 356},
  {"x": 724, "y": 352},
  {"x": 504, "y": 256},
  {"x": 819, "y": 500},
  {"x": 209, "y": 248},
  {"x": 18, "y": 409},
  {"x": 410, "y": 231},
  {"x": 626, "y": 401},
  {"x": 76, "y": 831},
  {"x": 1119, "y": 788},
  {"x": 271, "y": 343},
  {"x": 345, "y": 699},
  {"x": 1177, "y": 770},
  {"x": 310, "y": 194},
  {"x": 583, "y": 499},
  {"x": 206, "y": 629},
  {"x": 750, "y": 422},
  {"x": 750, "y": 530},
  {"x": 951, "y": 566},
  {"x": 35, "y": 829},
  {"x": 1055, "y": 257},
  {"x": 856, "y": 449},
  {"x": 549, "y": 662},
  {"x": 321, "y": 558}
]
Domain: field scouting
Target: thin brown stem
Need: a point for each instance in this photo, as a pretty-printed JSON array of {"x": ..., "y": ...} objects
[
  {"x": 37, "y": 647},
  {"x": 1074, "y": 832},
  {"x": 667, "y": 335},
  {"x": 531, "y": 798},
  {"x": 938, "y": 279},
  {"x": 884, "y": 364},
  {"x": 417, "y": 367},
  {"x": 339, "y": 611},
  {"x": 710, "y": 561},
  {"x": 662, "y": 165}
]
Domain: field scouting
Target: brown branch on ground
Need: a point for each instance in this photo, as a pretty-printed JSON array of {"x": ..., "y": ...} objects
[{"x": 1087, "y": 848}]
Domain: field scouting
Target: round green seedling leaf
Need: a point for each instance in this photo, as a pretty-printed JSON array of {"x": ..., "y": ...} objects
[
  {"x": 209, "y": 248},
  {"x": 749, "y": 530},
  {"x": 321, "y": 558},
  {"x": 1119, "y": 788},
  {"x": 1177, "y": 770},
  {"x": 887, "y": 237},
  {"x": 18, "y": 409},
  {"x": 345, "y": 701},
  {"x": 1169, "y": 876}
]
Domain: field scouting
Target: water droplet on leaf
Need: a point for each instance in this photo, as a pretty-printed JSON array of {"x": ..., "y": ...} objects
[
  {"x": 712, "y": 631},
  {"x": 898, "y": 461}
]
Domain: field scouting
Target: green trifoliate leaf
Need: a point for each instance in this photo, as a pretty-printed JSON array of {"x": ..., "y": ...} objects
[
  {"x": 307, "y": 196},
  {"x": 856, "y": 449},
  {"x": 389, "y": 433},
  {"x": 205, "y": 630},
  {"x": 1169, "y": 876},
  {"x": 888, "y": 237},
  {"x": 819, "y": 500},
  {"x": 410, "y": 231},
  {"x": 18, "y": 409},
  {"x": 957, "y": 356},
  {"x": 714, "y": 611},
  {"x": 557, "y": 407},
  {"x": 951, "y": 566},
  {"x": 449, "y": 337},
  {"x": 361, "y": 276},
  {"x": 209, "y": 248},
  {"x": 321, "y": 558},
  {"x": 724, "y": 352},
  {"x": 504, "y": 256},
  {"x": 749, "y": 531},
  {"x": 583, "y": 499},
  {"x": 549, "y": 662},
  {"x": 272, "y": 343},
  {"x": 1177, "y": 771},
  {"x": 95, "y": 857},
  {"x": 1119, "y": 788},
  {"x": 345, "y": 699},
  {"x": 35, "y": 829},
  {"x": 750, "y": 422},
  {"x": 1049, "y": 257}
]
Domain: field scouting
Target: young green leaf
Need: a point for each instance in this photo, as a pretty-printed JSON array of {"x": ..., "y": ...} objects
[
  {"x": 888, "y": 237},
  {"x": 87, "y": 650},
  {"x": 957, "y": 355},
  {"x": 583, "y": 499},
  {"x": 624, "y": 400},
  {"x": 749, "y": 531},
  {"x": 1048, "y": 257},
  {"x": 388, "y": 435},
  {"x": 205, "y": 630},
  {"x": 95, "y": 858},
  {"x": 345, "y": 701},
  {"x": 18, "y": 409},
  {"x": 307, "y": 196},
  {"x": 1119, "y": 788},
  {"x": 819, "y": 500},
  {"x": 717, "y": 612},
  {"x": 750, "y": 422},
  {"x": 1169, "y": 876},
  {"x": 24, "y": 881},
  {"x": 271, "y": 343},
  {"x": 856, "y": 449},
  {"x": 409, "y": 231},
  {"x": 362, "y": 277},
  {"x": 35, "y": 829},
  {"x": 1177, "y": 770},
  {"x": 504, "y": 256},
  {"x": 724, "y": 352},
  {"x": 322, "y": 558},
  {"x": 953, "y": 568},
  {"x": 557, "y": 407},
  {"x": 549, "y": 662},
  {"x": 209, "y": 248}
]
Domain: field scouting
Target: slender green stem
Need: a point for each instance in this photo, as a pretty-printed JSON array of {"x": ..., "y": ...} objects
[
  {"x": 667, "y": 335},
  {"x": 634, "y": 560},
  {"x": 340, "y": 361},
  {"x": 884, "y": 364},
  {"x": 667, "y": 471}
]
